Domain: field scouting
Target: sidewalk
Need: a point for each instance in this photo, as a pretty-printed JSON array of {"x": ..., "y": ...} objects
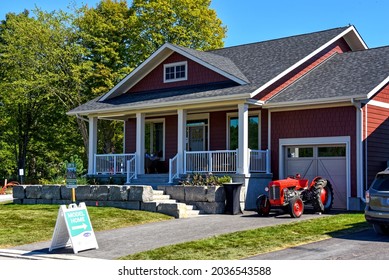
[{"x": 121, "y": 242}]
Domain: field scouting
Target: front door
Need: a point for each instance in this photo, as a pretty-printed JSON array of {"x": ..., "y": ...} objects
[{"x": 197, "y": 135}]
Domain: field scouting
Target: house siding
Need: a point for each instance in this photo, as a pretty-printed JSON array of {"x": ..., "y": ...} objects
[
  {"x": 197, "y": 74},
  {"x": 218, "y": 131},
  {"x": 377, "y": 140},
  {"x": 339, "y": 46},
  {"x": 383, "y": 95},
  {"x": 325, "y": 122}
]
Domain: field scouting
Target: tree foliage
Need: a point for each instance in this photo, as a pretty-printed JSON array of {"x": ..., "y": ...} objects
[{"x": 51, "y": 62}]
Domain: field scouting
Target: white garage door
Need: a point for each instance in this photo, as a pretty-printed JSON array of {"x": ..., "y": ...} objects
[{"x": 327, "y": 161}]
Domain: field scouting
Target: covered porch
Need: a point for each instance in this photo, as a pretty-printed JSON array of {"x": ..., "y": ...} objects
[{"x": 223, "y": 138}]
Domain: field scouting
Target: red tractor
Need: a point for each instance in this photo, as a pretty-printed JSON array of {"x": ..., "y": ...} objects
[{"x": 292, "y": 193}]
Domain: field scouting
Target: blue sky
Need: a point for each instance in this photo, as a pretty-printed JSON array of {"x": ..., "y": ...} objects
[{"x": 258, "y": 20}]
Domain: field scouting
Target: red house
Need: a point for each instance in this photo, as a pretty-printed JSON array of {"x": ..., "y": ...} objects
[{"x": 314, "y": 104}]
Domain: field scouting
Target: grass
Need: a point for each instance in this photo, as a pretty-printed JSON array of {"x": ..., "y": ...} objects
[
  {"x": 23, "y": 224},
  {"x": 244, "y": 244}
]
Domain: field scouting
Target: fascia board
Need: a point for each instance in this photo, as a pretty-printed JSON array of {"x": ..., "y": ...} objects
[
  {"x": 305, "y": 59},
  {"x": 377, "y": 88},
  {"x": 179, "y": 104},
  {"x": 314, "y": 102}
]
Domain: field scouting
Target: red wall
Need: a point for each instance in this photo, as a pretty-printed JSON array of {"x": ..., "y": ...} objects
[
  {"x": 339, "y": 46},
  {"x": 327, "y": 122},
  {"x": 197, "y": 74}
]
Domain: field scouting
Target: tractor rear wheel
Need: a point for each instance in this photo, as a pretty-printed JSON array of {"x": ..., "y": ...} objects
[
  {"x": 263, "y": 205},
  {"x": 323, "y": 196},
  {"x": 296, "y": 207}
]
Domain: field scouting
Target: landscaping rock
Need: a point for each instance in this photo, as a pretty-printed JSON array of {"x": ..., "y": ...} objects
[
  {"x": 211, "y": 207},
  {"x": 34, "y": 191},
  {"x": 51, "y": 192},
  {"x": 118, "y": 193},
  {"x": 99, "y": 192},
  {"x": 195, "y": 193},
  {"x": 19, "y": 192},
  {"x": 176, "y": 192},
  {"x": 141, "y": 193}
]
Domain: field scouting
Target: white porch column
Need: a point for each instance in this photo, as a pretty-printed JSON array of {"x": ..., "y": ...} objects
[
  {"x": 181, "y": 141},
  {"x": 92, "y": 147},
  {"x": 140, "y": 143},
  {"x": 243, "y": 135}
]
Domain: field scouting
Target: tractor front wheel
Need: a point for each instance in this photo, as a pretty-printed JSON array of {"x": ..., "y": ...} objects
[
  {"x": 296, "y": 207},
  {"x": 263, "y": 205}
]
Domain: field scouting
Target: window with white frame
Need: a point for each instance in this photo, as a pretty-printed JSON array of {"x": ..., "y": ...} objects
[
  {"x": 253, "y": 131},
  {"x": 174, "y": 72}
]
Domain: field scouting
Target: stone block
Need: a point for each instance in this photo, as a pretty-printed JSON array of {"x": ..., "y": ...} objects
[
  {"x": 176, "y": 192},
  {"x": 66, "y": 193},
  {"x": 195, "y": 193},
  {"x": 19, "y": 192},
  {"x": 177, "y": 210},
  {"x": 149, "y": 206},
  {"x": 83, "y": 193},
  {"x": 140, "y": 193},
  {"x": 118, "y": 193},
  {"x": 34, "y": 191},
  {"x": 61, "y": 201},
  {"x": 51, "y": 192},
  {"x": 44, "y": 201},
  {"x": 130, "y": 205},
  {"x": 99, "y": 192},
  {"x": 28, "y": 201},
  {"x": 215, "y": 194},
  {"x": 18, "y": 201},
  {"x": 211, "y": 207}
]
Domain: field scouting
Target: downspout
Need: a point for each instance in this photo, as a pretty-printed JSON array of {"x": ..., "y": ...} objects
[{"x": 359, "y": 127}]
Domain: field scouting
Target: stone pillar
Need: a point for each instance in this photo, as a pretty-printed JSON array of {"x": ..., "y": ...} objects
[
  {"x": 92, "y": 147},
  {"x": 140, "y": 143},
  {"x": 243, "y": 152},
  {"x": 181, "y": 143}
]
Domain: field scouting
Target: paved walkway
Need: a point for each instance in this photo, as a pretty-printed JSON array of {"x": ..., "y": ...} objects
[{"x": 121, "y": 242}]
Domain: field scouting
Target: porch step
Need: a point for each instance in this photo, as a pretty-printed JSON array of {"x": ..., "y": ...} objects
[{"x": 153, "y": 180}]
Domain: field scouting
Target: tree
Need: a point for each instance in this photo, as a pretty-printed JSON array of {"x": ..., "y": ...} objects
[{"x": 39, "y": 76}]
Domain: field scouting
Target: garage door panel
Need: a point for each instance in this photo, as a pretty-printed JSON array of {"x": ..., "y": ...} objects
[{"x": 304, "y": 167}]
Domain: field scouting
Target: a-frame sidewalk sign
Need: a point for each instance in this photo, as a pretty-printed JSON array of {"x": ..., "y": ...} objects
[{"x": 73, "y": 228}]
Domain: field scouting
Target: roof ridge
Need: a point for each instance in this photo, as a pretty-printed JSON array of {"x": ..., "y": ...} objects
[{"x": 282, "y": 38}]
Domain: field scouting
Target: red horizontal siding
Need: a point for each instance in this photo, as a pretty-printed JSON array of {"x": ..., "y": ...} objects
[
  {"x": 339, "y": 46},
  {"x": 197, "y": 74},
  {"x": 383, "y": 95},
  {"x": 130, "y": 135},
  {"x": 218, "y": 130}
]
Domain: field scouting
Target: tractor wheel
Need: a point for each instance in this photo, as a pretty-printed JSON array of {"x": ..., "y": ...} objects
[
  {"x": 323, "y": 196},
  {"x": 263, "y": 205},
  {"x": 296, "y": 207}
]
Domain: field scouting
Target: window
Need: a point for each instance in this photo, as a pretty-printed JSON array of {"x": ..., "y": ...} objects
[
  {"x": 175, "y": 72},
  {"x": 332, "y": 151},
  {"x": 302, "y": 152},
  {"x": 253, "y": 132}
]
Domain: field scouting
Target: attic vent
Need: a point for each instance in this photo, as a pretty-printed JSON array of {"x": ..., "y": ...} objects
[{"x": 175, "y": 72}]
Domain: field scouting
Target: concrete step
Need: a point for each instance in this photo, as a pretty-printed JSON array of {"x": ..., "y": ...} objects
[{"x": 161, "y": 197}]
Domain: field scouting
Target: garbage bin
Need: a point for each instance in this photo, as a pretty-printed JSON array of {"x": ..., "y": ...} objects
[{"x": 232, "y": 191}]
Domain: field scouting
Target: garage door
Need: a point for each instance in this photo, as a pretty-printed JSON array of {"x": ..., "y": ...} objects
[{"x": 326, "y": 161}]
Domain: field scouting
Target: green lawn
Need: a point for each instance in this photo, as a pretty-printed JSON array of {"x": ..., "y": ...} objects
[
  {"x": 23, "y": 224},
  {"x": 244, "y": 244}
]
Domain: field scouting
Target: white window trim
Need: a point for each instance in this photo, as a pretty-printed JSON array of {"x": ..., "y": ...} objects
[
  {"x": 174, "y": 65},
  {"x": 343, "y": 140},
  {"x": 235, "y": 115}
]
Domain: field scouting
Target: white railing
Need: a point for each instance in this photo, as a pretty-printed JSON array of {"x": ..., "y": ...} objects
[
  {"x": 210, "y": 161},
  {"x": 131, "y": 169},
  {"x": 112, "y": 163},
  {"x": 259, "y": 161},
  {"x": 173, "y": 168}
]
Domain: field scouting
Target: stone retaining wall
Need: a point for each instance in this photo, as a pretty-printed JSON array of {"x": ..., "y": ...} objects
[{"x": 127, "y": 197}]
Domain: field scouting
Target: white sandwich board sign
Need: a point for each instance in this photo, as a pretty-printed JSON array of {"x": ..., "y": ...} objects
[{"x": 73, "y": 228}]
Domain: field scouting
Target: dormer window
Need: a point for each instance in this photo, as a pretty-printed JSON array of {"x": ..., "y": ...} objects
[{"x": 175, "y": 72}]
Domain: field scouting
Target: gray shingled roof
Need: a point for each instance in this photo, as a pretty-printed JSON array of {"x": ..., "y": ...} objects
[
  {"x": 255, "y": 63},
  {"x": 343, "y": 75}
]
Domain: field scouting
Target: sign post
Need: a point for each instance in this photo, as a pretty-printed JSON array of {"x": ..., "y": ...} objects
[
  {"x": 73, "y": 228},
  {"x": 71, "y": 179}
]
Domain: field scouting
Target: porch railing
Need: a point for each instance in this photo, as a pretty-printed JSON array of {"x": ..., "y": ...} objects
[
  {"x": 259, "y": 161},
  {"x": 173, "y": 168},
  {"x": 131, "y": 169},
  {"x": 223, "y": 161},
  {"x": 112, "y": 163}
]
